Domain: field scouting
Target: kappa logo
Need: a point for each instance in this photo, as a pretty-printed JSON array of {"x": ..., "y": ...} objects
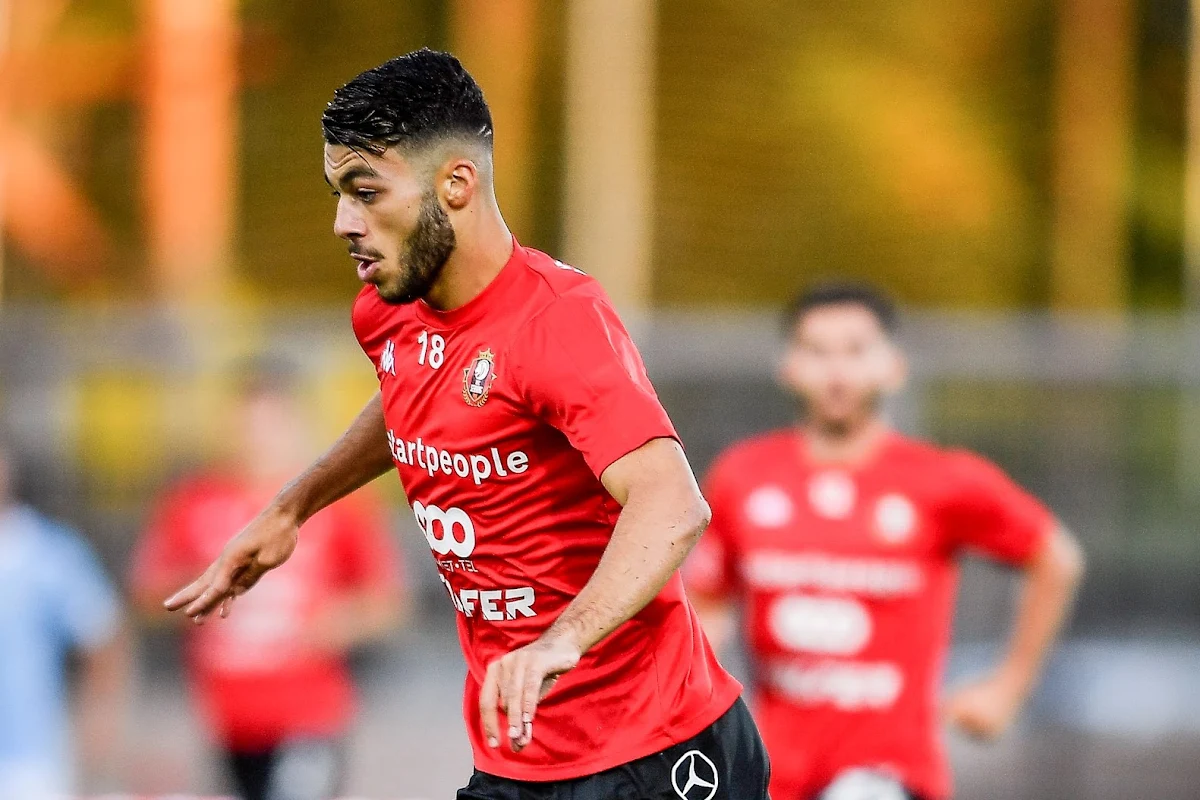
[
  {"x": 694, "y": 776},
  {"x": 478, "y": 378},
  {"x": 387, "y": 361}
]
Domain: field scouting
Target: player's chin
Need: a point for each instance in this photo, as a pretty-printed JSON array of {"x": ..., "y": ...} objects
[{"x": 395, "y": 292}]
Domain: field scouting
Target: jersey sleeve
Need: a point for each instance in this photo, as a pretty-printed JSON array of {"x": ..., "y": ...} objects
[
  {"x": 711, "y": 569},
  {"x": 87, "y": 610},
  {"x": 368, "y": 557},
  {"x": 578, "y": 369},
  {"x": 991, "y": 514},
  {"x": 162, "y": 557}
]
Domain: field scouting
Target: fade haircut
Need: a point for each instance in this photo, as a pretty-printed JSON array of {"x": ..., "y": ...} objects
[
  {"x": 824, "y": 295},
  {"x": 408, "y": 102}
]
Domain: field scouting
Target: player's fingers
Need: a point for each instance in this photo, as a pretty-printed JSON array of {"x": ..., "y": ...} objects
[
  {"x": 216, "y": 591},
  {"x": 513, "y": 687},
  {"x": 489, "y": 694},
  {"x": 531, "y": 693},
  {"x": 189, "y": 593}
]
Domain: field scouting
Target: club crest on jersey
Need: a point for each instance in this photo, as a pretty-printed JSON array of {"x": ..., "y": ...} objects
[{"x": 477, "y": 378}]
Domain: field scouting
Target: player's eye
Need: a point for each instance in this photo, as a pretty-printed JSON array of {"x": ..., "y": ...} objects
[
  {"x": 335, "y": 193},
  {"x": 366, "y": 195}
]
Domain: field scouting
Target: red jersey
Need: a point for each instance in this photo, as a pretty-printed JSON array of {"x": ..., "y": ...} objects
[
  {"x": 848, "y": 574},
  {"x": 501, "y": 415},
  {"x": 257, "y": 676}
]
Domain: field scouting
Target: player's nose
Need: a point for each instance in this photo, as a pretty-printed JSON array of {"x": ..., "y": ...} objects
[{"x": 346, "y": 223}]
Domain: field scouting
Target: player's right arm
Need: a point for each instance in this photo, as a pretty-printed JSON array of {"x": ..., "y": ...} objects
[
  {"x": 711, "y": 571},
  {"x": 359, "y": 456}
]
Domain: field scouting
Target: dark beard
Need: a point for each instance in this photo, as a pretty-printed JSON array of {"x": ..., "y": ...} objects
[{"x": 426, "y": 252}]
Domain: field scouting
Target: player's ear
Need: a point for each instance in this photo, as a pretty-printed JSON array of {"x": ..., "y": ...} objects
[
  {"x": 460, "y": 183},
  {"x": 897, "y": 375}
]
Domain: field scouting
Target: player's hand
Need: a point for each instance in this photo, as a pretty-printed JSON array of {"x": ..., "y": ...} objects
[
  {"x": 262, "y": 545},
  {"x": 517, "y": 682},
  {"x": 985, "y": 708}
]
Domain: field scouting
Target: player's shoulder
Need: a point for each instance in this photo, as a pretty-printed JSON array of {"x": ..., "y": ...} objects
[
  {"x": 555, "y": 287},
  {"x": 936, "y": 461},
  {"x": 50, "y": 535},
  {"x": 196, "y": 488},
  {"x": 747, "y": 455}
]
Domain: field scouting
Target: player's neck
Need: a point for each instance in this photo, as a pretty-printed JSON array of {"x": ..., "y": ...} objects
[
  {"x": 484, "y": 245},
  {"x": 851, "y": 445}
]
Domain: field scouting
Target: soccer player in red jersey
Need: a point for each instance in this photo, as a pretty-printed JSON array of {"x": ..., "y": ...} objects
[
  {"x": 841, "y": 538},
  {"x": 544, "y": 473},
  {"x": 272, "y": 685}
]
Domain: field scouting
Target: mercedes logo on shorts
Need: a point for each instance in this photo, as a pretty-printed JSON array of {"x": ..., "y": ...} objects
[{"x": 694, "y": 776}]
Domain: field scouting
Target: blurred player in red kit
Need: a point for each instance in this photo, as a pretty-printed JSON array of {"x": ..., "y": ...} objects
[
  {"x": 272, "y": 684},
  {"x": 549, "y": 482},
  {"x": 840, "y": 538}
]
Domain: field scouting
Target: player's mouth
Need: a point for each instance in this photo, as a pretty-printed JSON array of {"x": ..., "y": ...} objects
[{"x": 367, "y": 266}]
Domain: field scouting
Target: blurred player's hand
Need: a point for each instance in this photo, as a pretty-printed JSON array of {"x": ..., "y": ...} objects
[
  {"x": 261, "y": 546},
  {"x": 517, "y": 682},
  {"x": 985, "y": 708}
]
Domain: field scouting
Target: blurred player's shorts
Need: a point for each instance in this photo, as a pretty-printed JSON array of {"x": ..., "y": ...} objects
[{"x": 865, "y": 784}]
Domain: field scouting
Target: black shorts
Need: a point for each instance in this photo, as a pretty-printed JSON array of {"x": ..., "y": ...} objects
[
  {"x": 301, "y": 769},
  {"x": 725, "y": 761}
]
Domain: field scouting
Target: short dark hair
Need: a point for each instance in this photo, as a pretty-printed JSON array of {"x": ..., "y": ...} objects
[
  {"x": 409, "y": 101},
  {"x": 843, "y": 293}
]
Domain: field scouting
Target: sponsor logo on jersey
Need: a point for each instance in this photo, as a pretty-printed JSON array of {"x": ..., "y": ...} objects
[
  {"x": 872, "y": 577},
  {"x": 387, "y": 359},
  {"x": 845, "y": 685},
  {"x": 895, "y": 519},
  {"x": 832, "y": 495},
  {"x": 448, "y": 532},
  {"x": 836, "y": 626},
  {"x": 694, "y": 776},
  {"x": 476, "y": 467},
  {"x": 769, "y": 507},
  {"x": 477, "y": 378}
]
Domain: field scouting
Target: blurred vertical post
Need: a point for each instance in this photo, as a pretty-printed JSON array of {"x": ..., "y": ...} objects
[
  {"x": 1091, "y": 155},
  {"x": 5, "y": 31},
  {"x": 190, "y": 122},
  {"x": 1189, "y": 417},
  {"x": 497, "y": 42},
  {"x": 1191, "y": 232},
  {"x": 610, "y": 144}
]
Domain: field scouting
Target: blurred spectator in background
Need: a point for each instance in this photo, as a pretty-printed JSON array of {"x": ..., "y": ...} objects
[
  {"x": 272, "y": 681},
  {"x": 54, "y": 599},
  {"x": 841, "y": 537}
]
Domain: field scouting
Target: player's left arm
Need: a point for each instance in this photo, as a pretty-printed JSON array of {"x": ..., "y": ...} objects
[
  {"x": 662, "y": 517},
  {"x": 990, "y": 514},
  {"x": 985, "y": 708}
]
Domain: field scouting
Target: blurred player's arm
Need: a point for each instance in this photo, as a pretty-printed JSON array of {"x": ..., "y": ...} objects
[
  {"x": 102, "y": 696},
  {"x": 93, "y": 621},
  {"x": 985, "y": 708},
  {"x": 359, "y": 456},
  {"x": 372, "y": 599},
  {"x": 662, "y": 517}
]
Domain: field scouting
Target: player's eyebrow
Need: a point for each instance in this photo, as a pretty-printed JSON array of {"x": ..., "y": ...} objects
[{"x": 353, "y": 174}]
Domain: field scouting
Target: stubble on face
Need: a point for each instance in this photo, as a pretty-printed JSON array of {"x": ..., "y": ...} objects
[{"x": 424, "y": 254}]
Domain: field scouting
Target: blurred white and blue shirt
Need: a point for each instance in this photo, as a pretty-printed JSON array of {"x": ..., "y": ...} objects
[{"x": 54, "y": 597}]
